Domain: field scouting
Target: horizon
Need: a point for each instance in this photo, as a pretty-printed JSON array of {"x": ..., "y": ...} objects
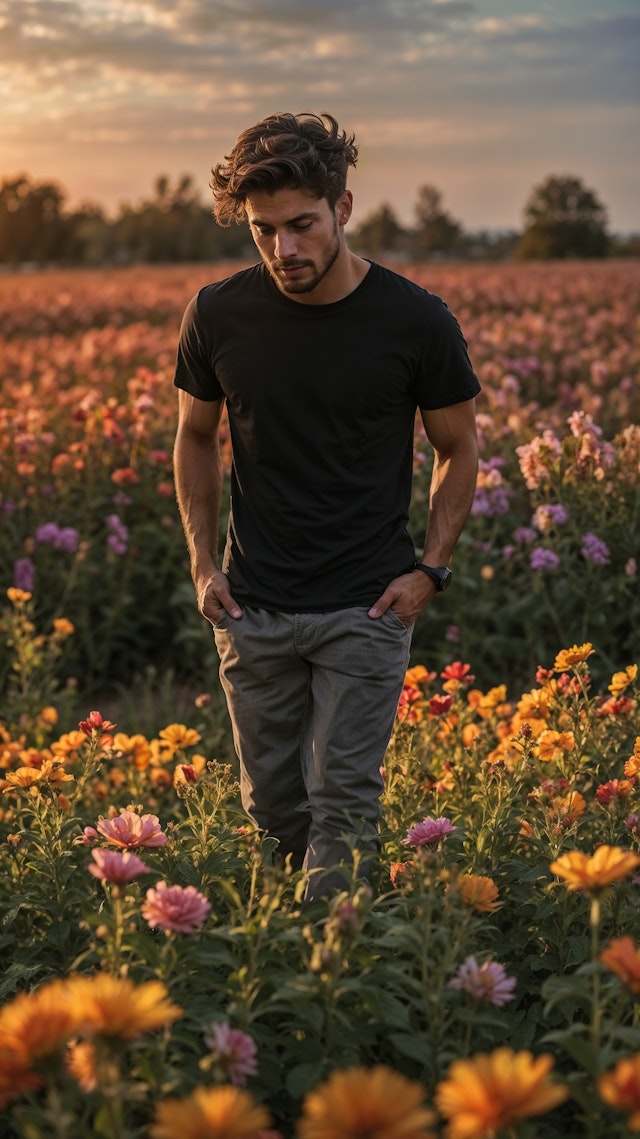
[{"x": 483, "y": 100}]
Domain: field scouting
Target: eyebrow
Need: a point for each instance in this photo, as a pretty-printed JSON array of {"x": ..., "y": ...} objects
[{"x": 306, "y": 216}]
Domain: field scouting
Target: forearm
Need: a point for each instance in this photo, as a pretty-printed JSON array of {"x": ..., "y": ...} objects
[
  {"x": 451, "y": 495},
  {"x": 198, "y": 478}
]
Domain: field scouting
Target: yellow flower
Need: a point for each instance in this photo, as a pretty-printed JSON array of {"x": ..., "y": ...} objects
[
  {"x": 224, "y": 1112},
  {"x": 179, "y": 736},
  {"x": 622, "y": 680},
  {"x": 50, "y": 772},
  {"x": 479, "y": 892},
  {"x": 569, "y": 658},
  {"x": 360, "y": 1103},
  {"x": 607, "y": 864},
  {"x": 113, "y": 1006},
  {"x": 494, "y": 1091},
  {"x": 418, "y": 675},
  {"x": 621, "y": 1088},
  {"x": 18, "y": 596},
  {"x": 48, "y": 715}
]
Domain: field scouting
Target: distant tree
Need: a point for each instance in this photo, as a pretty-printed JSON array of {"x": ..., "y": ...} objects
[
  {"x": 32, "y": 226},
  {"x": 380, "y": 232},
  {"x": 436, "y": 231},
  {"x": 563, "y": 218}
]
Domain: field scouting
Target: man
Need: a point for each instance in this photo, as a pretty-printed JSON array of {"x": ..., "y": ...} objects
[{"x": 322, "y": 359}]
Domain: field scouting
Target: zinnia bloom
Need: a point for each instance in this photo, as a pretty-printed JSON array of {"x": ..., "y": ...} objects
[
  {"x": 487, "y": 982},
  {"x": 607, "y": 864},
  {"x": 210, "y": 1113},
  {"x": 621, "y": 1088},
  {"x": 233, "y": 1051},
  {"x": 496, "y": 1090},
  {"x": 116, "y": 866},
  {"x": 623, "y": 958},
  {"x": 479, "y": 892},
  {"x": 428, "y": 831},
  {"x": 114, "y": 1006},
  {"x": 366, "y": 1104},
  {"x": 129, "y": 829},
  {"x": 36, "y": 1024},
  {"x": 569, "y": 658},
  {"x": 179, "y": 908}
]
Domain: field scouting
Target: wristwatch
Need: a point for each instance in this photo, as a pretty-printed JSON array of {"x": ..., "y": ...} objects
[{"x": 441, "y": 575}]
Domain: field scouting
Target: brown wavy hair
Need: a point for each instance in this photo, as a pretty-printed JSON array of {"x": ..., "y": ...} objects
[{"x": 284, "y": 151}]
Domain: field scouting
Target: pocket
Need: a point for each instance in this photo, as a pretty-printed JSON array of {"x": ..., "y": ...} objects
[
  {"x": 221, "y": 624},
  {"x": 395, "y": 620}
]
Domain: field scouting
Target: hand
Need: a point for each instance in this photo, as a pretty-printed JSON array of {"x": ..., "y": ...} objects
[
  {"x": 406, "y": 596},
  {"x": 214, "y": 598}
]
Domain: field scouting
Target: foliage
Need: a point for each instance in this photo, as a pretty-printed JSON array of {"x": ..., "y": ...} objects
[
  {"x": 501, "y": 916},
  {"x": 563, "y": 218},
  {"x": 436, "y": 231}
]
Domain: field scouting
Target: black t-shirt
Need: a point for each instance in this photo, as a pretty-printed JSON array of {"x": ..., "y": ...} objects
[{"x": 321, "y": 402}]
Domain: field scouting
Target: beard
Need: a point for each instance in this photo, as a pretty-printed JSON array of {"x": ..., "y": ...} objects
[{"x": 316, "y": 272}]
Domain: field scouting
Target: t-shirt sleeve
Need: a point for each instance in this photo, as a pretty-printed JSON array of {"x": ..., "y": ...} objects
[
  {"x": 445, "y": 374},
  {"x": 194, "y": 371}
]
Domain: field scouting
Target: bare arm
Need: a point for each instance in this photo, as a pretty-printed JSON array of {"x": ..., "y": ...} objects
[
  {"x": 452, "y": 434},
  {"x": 198, "y": 475}
]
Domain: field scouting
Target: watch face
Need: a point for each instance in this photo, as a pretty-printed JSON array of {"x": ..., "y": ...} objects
[{"x": 445, "y": 579}]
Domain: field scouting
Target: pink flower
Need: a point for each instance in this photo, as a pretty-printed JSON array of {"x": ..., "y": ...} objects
[
  {"x": 234, "y": 1051},
  {"x": 129, "y": 829},
  {"x": 487, "y": 982},
  {"x": 440, "y": 705},
  {"x": 95, "y": 723},
  {"x": 179, "y": 908},
  {"x": 88, "y": 836},
  {"x": 428, "y": 831},
  {"x": 116, "y": 865}
]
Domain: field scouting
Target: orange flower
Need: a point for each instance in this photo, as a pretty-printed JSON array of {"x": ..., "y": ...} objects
[
  {"x": 569, "y": 658},
  {"x": 136, "y": 746},
  {"x": 80, "y": 1060},
  {"x": 15, "y": 1075},
  {"x": 223, "y": 1112},
  {"x": 621, "y": 1088},
  {"x": 607, "y": 864},
  {"x": 632, "y": 765},
  {"x": 360, "y": 1103},
  {"x": 49, "y": 772},
  {"x": 37, "y": 1024},
  {"x": 623, "y": 958},
  {"x": 493, "y": 1091},
  {"x": 570, "y": 807},
  {"x": 114, "y": 1006},
  {"x": 552, "y": 745},
  {"x": 63, "y": 627},
  {"x": 18, "y": 596},
  {"x": 622, "y": 680},
  {"x": 479, "y": 892},
  {"x": 418, "y": 675}
]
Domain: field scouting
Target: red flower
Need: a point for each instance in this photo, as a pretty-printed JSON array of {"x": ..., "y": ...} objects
[
  {"x": 615, "y": 706},
  {"x": 95, "y": 723},
  {"x": 458, "y": 671},
  {"x": 614, "y": 789},
  {"x": 440, "y": 705}
]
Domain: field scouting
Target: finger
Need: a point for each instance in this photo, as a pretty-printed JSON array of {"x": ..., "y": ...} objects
[{"x": 382, "y": 604}]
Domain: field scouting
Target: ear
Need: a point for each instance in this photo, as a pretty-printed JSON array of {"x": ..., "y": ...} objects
[{"x": 344, "y": 206}]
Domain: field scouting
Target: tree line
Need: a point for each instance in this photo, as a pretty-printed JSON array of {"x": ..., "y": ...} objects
[{"x": 562, "y": 218}]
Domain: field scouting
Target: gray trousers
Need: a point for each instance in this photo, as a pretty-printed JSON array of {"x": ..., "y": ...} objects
[{"x": 312, "y": 699}]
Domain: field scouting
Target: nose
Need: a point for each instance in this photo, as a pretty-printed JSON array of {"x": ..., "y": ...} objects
[{"x": 286, "y": 245}]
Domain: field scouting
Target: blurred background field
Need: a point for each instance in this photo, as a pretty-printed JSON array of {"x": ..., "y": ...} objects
[{"x": 89, "y": 520}]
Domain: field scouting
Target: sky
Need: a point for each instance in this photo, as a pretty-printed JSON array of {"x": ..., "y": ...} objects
[{"x": 481, "y": 98}]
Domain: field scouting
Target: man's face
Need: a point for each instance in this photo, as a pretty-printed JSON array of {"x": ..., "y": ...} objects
[{"x": 299, "y": 238}]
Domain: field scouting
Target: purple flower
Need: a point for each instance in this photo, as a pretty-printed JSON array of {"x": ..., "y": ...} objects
[
  {"x": 429, "y": 831},
  {"x": 118, "y": 534},
  {"x": 542, "y": 559},
  {"x": 594, "y": 550},
  {"x": 24, "y": 574},
  {"x": 61, "y": 538},
  {"x": 525, "y": 534},
  {"x": 234, "y": 1051},
  {"x": 632, "y": 823},
  {"x": 548, "y": 515},
  {"x": 452, "y": 634},
  {"x": 488, "y": 982}
]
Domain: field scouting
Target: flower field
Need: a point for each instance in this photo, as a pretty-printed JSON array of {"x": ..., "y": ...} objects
[{"x": 161, "y": 977}]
